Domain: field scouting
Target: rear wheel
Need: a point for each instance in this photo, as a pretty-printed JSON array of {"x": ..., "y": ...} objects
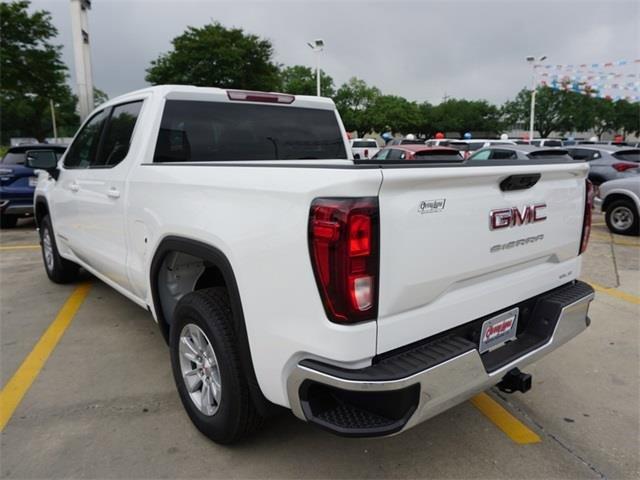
[
  {"x": 206, "y": 367},
  {"x": 622, "y": 218},
  {"x": 58, "y": 269},
  {"x": 8, "y": 221}
]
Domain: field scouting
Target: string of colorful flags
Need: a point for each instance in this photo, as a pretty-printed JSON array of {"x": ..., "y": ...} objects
[{"x": 610, "y": 80}]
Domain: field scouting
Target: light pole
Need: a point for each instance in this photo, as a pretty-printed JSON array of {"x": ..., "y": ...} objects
[
  {"x": 82, "y": 55},
  {"x": 317, "y": 46},
  {"x": 532, "y": 62}
]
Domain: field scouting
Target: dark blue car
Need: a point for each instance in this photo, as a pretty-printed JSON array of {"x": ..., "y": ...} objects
[{"x": 17, "y": 183}]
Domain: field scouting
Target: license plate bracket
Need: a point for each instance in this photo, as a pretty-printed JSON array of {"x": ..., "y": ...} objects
[{"x": 498, "y": 330}]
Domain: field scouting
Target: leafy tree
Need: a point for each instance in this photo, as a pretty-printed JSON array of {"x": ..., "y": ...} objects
[
  {"x": 390, "y": 112},
  {"x": 628, "y": 117},
  {"x": 551, "y": 113},
  {"x": 216, "y": 56},
  {"x": 99, "y": 97},
  {"x": 353, "y": 100},
  {"x": 301, "y": 80},
  {"x": 466, "y": 116},
  {"x": 31, "y": 74}
]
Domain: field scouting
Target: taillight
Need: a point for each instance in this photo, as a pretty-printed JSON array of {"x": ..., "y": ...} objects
[
  {"x": 344, "y": 238},
  {"x": 366, "y": 153},
  {"x": 586, "y": 223},
  {"x": 249, "y": 96},
  {"x": 621, "y": 167}
]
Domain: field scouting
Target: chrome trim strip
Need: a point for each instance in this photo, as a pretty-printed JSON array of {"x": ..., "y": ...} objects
[{"x": 450, "y": 382}]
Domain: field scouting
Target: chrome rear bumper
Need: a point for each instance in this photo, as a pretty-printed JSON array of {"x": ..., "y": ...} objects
[{"x": 448, "y": 383}]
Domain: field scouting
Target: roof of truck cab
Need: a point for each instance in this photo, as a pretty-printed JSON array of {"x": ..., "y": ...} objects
[{"x": 191, "y": 92}]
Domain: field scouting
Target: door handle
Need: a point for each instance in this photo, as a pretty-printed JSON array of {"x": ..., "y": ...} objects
[
  {"x": 74, "y": 187},
  {"x": 113, "y": 193}
]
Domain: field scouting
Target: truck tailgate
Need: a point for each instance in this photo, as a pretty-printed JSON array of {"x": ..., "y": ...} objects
[{"x": 442, "y": 264}]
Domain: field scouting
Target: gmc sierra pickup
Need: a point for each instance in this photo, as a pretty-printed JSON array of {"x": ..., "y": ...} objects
[{"x": 366, "y": 296}]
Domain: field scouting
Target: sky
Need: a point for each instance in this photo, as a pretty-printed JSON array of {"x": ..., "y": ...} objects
[{"x": 421, "y": 50}]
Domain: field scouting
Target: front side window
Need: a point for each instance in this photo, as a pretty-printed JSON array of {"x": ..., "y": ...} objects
[
  {"x": 503, "y": 155},
  {"x": 117, "y": 135},
  {"x": 396, "y": 154},
  {"x": 481, "y": 155},
  {"x": 84, "y": 148},
  {"x": 197, "y": 131},
  {"x": 381, "y": 155}
]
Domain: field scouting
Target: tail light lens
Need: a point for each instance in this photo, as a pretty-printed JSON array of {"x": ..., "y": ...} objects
[
  {"x": 344, "y": 235},
  {"x": 622, "y": 167},
  {"x": 366, "y": 153},
  {"x": 586, "y": 224}
]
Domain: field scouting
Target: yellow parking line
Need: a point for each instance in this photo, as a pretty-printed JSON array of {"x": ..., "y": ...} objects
[
  {"x": 16, "y": 388},
  {"x": 614, "y": 292},
  {"x": 614, "y": 239},
  {"x": 19, "y": 247},
  {"x": 514, "y": 428}
]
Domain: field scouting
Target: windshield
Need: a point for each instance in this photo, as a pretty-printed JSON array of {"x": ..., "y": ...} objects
[
  {"x": 197, "y": 131},
  {"x": 18, "y": 158},
  {"x": 367, "y": 144}
]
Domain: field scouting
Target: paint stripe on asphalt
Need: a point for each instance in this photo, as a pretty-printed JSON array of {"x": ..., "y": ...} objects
[
  {"x": 16, "y": 388},
  {"x": 514, "y": 428},
  {"x": 19, "y": 247},
  {"x": 614, "y": 292}
]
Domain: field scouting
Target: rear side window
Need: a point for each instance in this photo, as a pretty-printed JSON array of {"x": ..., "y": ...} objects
[
  {"x": 628, "y": 155},
  {"x": 438, "y": 156},
  {"x": 365, "y": 145},
  {"x": 396, "y": 154},
  {"x": 83, "y": 149},
  {"x": 549, "y": 154},
  {"x": 194, "y": 131},
  {"x": 552, "y": 143},
  {"x": 473, "y": 146},
  {"x": 117, "y": 135},
  {"x": 503, "y": 155}
]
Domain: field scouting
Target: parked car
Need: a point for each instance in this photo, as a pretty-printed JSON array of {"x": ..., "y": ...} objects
[
  {"x": 418, "y": 153},
  {"x": 363, "y": 147},
  {"x": 406, "y": 141},
  {"x": 365, "y": 297},
  {"x": 17, "y": 182},
  {"x": 519, "y": 153},
  {"x": 467, "y": 147},
  {"x": 546, "y": 142},
  {"x": 607, "y": 162},
  {"x": 620, "y": 202}
]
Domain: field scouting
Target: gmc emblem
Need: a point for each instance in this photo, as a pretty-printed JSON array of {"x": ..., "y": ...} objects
[{"x": 514, "y": 217}]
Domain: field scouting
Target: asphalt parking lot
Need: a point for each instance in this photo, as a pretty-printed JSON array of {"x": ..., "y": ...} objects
[{"x": 104, "y": 404}]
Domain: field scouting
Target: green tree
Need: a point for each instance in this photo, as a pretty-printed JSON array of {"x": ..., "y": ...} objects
[
  {"x": 301, "y": 80},
  {"x": 99, "y": 97},
  {"x": 215, "y": 56},
  {"x": 353, "y": 100},
  {"x": 395, "y": 113},
  {"x": 628, "y": 117},
  {"x": 459, "y": 115},
  {"x": 31, "y": 74}
]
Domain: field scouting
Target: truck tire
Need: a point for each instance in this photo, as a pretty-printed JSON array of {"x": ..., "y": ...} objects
[
  {"x": 206, "y": 365},
  {"x": 8, "y": 221},
  {"x": 58, "y": 269},
  {"x": 622, "y": 217}
]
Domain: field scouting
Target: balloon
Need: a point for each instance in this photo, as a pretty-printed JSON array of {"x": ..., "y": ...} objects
[
  {"x": 504, "y": 136},
  {"x": 386, "y": 135},
  {"x": 467, "y": 135},
  {"x": 439, "y": 135},
  {"x": 411, "y": 136}
]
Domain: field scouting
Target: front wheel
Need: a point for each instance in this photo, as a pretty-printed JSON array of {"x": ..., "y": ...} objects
[
  {"x": 58, "y": 269},
  {"x": 622, "y": 218},
  {"x": 206, "y": 367}
]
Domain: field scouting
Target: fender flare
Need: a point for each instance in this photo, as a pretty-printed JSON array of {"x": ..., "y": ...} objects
[{"x": 217, "y": 258}]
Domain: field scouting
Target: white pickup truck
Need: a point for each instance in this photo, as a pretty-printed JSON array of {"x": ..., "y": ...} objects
[{"x": 365, "y": 296}]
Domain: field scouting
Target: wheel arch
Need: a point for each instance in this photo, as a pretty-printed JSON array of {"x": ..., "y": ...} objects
[
  {"x": 40, "y": 209},
  {"x": 619, "y": 195},
  {"x": 216, "y": 258}
]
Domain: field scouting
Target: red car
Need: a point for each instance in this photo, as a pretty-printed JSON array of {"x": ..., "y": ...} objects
[{"x": 419, "y": 152}]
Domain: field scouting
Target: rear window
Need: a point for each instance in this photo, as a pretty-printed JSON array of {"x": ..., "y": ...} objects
[
  {"x": 552, "y": 143},
  {"x": 370, "y": 144},
  {"x": 628, "y": 155},
  {"x": 193, "y": 131},
  {"x": 473, "y": 146},
  {"x": 438, "y": 156},
  {"x": 549, "y": 153},
  {"x": 411, "y": 142}
]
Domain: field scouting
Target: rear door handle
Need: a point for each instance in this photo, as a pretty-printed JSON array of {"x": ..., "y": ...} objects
[{"x": 113, "y": 192}]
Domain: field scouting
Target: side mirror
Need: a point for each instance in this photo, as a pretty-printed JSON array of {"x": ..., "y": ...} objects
[{"x": 42, "y": 160}]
